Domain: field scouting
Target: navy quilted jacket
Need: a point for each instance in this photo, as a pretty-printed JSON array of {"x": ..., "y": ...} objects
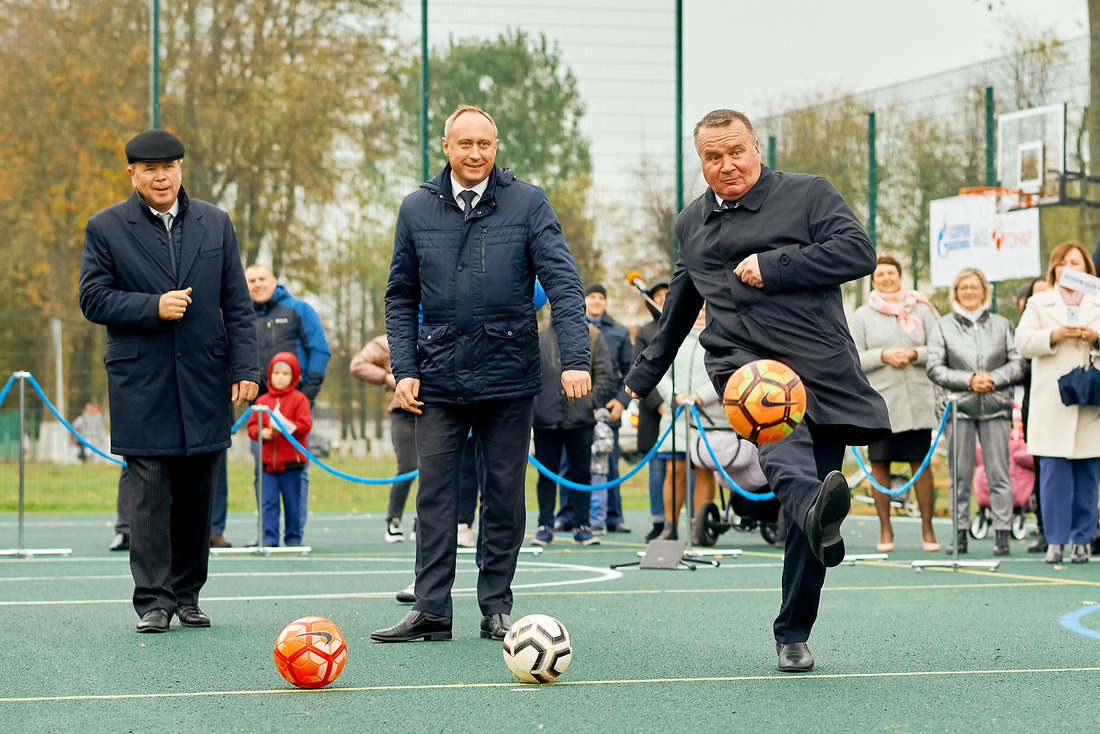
[{"x": 474, "y": 278}]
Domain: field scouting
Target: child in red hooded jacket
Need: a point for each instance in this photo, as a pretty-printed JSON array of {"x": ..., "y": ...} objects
[{"x": 283, "y": 463}]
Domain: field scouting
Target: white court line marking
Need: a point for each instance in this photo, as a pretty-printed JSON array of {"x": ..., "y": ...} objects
[
  {"x": 602, "y": 575},
  {"x": 794, "y": 679},
  {"x": 255, "y": 574}
]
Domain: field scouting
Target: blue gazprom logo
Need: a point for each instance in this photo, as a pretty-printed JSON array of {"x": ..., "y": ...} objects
[{"x": 952, "y": 237}]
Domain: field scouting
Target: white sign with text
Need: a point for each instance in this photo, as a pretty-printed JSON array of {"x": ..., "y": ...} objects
[{"x": 968, "y": 232}]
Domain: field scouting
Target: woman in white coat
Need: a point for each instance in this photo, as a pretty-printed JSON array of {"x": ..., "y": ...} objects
[{"x": 1056, "y": 331}]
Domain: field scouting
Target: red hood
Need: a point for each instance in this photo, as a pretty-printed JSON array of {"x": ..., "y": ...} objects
[{"x": 295, "y": 372}]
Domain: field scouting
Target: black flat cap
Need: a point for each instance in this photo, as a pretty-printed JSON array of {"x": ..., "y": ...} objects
[{"x": 154, "y": 146}]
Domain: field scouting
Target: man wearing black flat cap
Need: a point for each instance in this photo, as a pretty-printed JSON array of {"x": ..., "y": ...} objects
[{"x": 162, "y": 272}]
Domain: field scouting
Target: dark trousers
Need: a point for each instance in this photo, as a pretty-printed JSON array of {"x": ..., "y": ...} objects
[
  {"x": 795, "y": 467},
  {"x": 287, "y": 486},
  {"x": 170, "y": 503},
  {"x": 577, "y": 445},
  {"x": 469, "y": 484},
  {"x": 122, "y": 522},
  {"x": 614, "y": 494},
  {"x": 221, "y": 503},
  {"x": 502, "y": 430},
  {"x": 403, "y": 437}
]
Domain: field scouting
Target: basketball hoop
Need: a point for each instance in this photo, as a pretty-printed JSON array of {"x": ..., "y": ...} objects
[{"x": 1004, "y": 199}]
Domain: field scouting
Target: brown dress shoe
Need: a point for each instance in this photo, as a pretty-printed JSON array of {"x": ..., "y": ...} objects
[{"x": 219, "y": 541}]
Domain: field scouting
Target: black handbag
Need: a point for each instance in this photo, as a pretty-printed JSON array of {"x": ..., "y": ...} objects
[{"x": 1081, "y": 385}]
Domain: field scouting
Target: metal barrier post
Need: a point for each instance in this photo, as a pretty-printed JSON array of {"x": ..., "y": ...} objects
[{"x": 22, "y": 551}]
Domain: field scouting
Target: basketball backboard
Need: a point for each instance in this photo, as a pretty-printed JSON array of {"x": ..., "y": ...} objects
[{"x": 1031, "y": 151}]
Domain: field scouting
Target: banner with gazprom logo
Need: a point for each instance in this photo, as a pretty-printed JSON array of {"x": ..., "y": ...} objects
[{"x": 967, "y": 232}]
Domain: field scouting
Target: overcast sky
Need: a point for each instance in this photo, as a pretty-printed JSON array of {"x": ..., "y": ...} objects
[{"x": 774, "y": 49}]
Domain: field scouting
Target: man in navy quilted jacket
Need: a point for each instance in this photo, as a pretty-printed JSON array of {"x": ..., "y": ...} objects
[{"x": 467, "y": 248}]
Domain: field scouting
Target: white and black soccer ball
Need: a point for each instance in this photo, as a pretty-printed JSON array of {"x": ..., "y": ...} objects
[{"x": 537, "y": 648}]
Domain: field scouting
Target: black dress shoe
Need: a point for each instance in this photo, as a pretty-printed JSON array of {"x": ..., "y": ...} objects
[
  {"x": 120, "y": 543},
  {"x": 155, "y": 620},
  {"x": 416, "y": 625},
  {"x": 408, "y": 594},
  {"x": 495, "y": 626},
  {"x": 192, "y": 616},
  {"x": 617, "y": 527},
  {"x": 794, "y": 657},
  {"x": 823, "y": 521}
]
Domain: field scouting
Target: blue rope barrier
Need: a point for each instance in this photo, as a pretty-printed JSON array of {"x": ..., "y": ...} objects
[
  {"x": 241, "y": 420},
  {"x": 754, "y": 496},
  {"x": 7, "y": 386},
  {"x": 920, "y": 470},
  {"x": 593, "y": 487},
  {"x": 52, "y": 409},
  {"x": 343, "y": 475}
]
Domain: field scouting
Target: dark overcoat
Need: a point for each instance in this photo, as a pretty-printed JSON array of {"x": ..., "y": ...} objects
[
  {"x": 808, "y": 242},
  {"x": 474, "y": 278},
  {"x": 169, "y": 381}
]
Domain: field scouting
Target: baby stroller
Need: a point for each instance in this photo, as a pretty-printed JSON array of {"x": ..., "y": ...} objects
[
  {"x": 740, "y": 460},
  {"x": 1021, "y": 470}
]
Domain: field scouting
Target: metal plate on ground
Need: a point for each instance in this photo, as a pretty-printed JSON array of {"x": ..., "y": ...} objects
[{"x": 663, "y": 554}]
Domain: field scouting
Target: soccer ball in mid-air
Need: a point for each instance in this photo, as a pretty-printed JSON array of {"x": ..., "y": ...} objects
[
  {"x": 537, "y": 648},
  {"x": 310, "y": 652},
  {"x": 765, "y": 400}
]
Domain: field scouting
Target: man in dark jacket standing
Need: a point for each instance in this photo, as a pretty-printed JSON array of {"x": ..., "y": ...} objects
[
  {"x": 163, "y": 273},
  {"x": 566, "y": 426},
  {"x": 768, "y": 252},
  {"x": 618, "y": 343},
  {"x": 467, "y": 248}
]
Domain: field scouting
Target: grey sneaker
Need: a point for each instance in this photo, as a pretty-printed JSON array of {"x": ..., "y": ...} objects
[
  {"x": 1080, "y": 553},
  {"x": 1054, "y": 553},
  {"x": 393, "y": 531}
]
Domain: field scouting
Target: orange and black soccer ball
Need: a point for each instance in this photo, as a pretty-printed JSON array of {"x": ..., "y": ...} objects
[
  {"x": 765, "y": 400},
  {"x": 310, "y": 652}
]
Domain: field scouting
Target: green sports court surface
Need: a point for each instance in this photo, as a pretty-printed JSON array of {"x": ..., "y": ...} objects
[{"x": 654, "y": 650}]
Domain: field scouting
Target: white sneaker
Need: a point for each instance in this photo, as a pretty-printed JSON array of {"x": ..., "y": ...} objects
[
  {"x": 465, "y": 536},
  {"x": 393, "y": 531}
]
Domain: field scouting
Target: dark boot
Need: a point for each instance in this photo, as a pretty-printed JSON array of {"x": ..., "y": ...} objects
[
  {"x": 961, "y": 541},
  {"x": 1000, "y": 545}
]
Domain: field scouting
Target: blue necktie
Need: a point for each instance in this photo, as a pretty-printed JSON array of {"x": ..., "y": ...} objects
[{"x": 468, "y": 199}]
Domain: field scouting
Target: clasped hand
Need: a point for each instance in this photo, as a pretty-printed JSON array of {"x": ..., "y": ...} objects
[{"x": 173, "y": 304}]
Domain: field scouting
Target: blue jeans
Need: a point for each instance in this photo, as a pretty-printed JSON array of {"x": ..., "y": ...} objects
[
  {"x": 658, "y": 468},
  {"x": 287, "y": 485}
]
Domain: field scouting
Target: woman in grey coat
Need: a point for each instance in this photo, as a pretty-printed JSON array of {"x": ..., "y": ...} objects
[
  {"x": 891, "y": 333},
  {"x": 972, "y": 354}
]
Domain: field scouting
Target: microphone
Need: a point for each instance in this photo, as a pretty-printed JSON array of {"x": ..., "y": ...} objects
[{"x": 635, "y": 279}]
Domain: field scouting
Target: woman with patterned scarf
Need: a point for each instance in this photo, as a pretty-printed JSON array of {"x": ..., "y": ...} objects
[{"x": 891, "y": 332}]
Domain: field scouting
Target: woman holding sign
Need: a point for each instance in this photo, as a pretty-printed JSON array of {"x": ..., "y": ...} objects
[{"x": 1057, "y": 330}]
